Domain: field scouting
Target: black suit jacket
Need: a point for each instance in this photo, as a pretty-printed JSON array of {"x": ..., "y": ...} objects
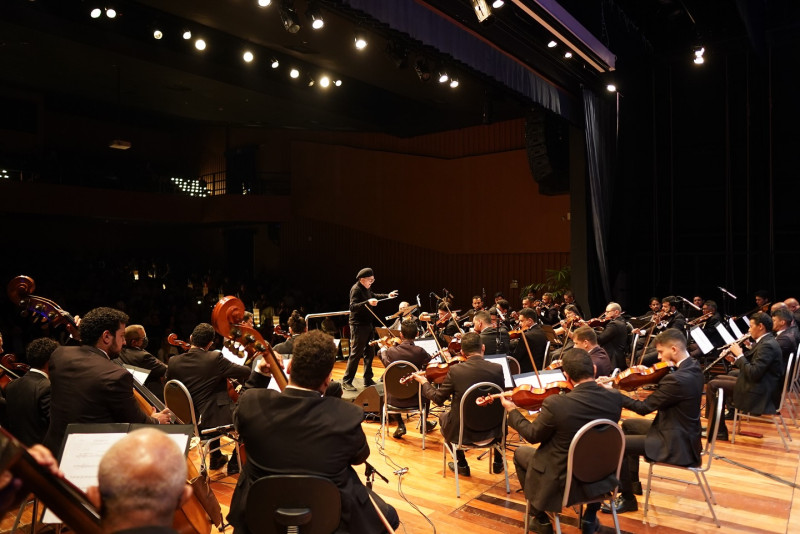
[
  {"x": 555, "y": 426},
  {"x": 601, "y": 361},
  {"x": 674, "y": 436},
  {"x": 411, "y": 353},
  {"x": 28, "y": 404},
  {"x": 204, "y": 374},
  {"x": 537, "y": 341},
  {"x": 89, "y": 388},
  {"x": 614, "y": 338},
  {"x": 760, "y": 372},
  {"x": 286, "y": 347},
  {"x": 489, "y": 340},
  {"x": 145, "y": 360},
  {"x": 458, "y": 380},
  {"x": 301, "y": 432}
]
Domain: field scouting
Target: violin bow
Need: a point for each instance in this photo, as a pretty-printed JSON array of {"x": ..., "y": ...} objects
[
  {"x": 535, "y": 370},
  {"x": 453, "y": 317}
]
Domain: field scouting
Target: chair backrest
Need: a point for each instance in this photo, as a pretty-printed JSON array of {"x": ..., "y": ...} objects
[
  {"x": 179, "y": 401},
  {"x": 276, "y": 503},
  {"x": 786, "y": 381},
  {"x": 513, "y": 365},
  {"x": 595, "y": 452},
  {"x": 391, "y": 380},
  {"x": 480, "y": 418}
]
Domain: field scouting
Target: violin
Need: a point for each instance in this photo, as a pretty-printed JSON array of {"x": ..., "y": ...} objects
[
  {"x": 556, "y": 364},
  {"x": 435, "y": 372},
  {"x": 279, "y": 332},
  {"x": 703, "y": 318},
  {"x": 173, "y": 340},
  {"x": 45, "y": 311},
  {"x": 386, "y": 342},
  {"x": 444, "y": 319},
  {"x": 635, "y": 377},
  {"x": 527, "y": 396},
  {"x": 9, "y": 367}
]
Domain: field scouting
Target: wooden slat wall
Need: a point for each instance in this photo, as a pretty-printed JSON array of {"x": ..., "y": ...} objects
[{"x": 327, "y": 257}]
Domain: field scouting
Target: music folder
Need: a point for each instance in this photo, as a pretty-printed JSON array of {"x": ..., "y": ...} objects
[
  {"x": 735, "y": 328},
  {"x": 502, "y": 361},
  {"x": 726, "y": 336},
  {"x": 701, "y": 339}
]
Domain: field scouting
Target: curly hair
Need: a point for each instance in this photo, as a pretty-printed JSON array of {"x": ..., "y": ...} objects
[
  {"x": 202, "y": 335},
  {"x": 39, "y": 350},
  {"x": 313, "y": 355},
  {"x": 97, "y": 321}
]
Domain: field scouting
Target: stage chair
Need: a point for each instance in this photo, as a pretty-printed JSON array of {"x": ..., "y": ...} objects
[
  {"x": 293, "y": 503},
  {"x": 392, "y": 386}
]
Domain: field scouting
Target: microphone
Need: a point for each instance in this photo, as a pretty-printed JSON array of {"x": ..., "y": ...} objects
[
  {"x": 690, "y": 303},
  {"x": 223, "y": 428},
  {"x": 731, "y": 295},
  {"x": 369, "y": 471},
  {"x": 435, "y": 295},
  {"x": 419, "y": 304},
  {"x": 447, "y": 293}
]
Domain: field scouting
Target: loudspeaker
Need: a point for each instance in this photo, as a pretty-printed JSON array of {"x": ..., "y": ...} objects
[
  {"x": 371, "y": 399},
  {"x": 547, "y": 145}
]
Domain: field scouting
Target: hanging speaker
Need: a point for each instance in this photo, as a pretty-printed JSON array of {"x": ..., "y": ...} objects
[{"x": 547, "y": 146}]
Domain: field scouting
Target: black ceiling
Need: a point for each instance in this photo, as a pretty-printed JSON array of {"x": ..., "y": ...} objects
[{"x": 115, "y": 68}]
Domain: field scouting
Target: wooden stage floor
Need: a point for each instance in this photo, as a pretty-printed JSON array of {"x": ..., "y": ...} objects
[{"x": 754, "y": 483}]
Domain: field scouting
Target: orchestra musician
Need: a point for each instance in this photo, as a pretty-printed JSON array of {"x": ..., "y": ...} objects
[
  {"x": 669, "y": 317},
  {"x": 757, "y": 381},
  {"x": 141, "y": 482},
  {"x": 401, "y": 309},
  {"x": 28, "y": 397},
  {"x": 204, "y": 372},
  {"x": 762, "y": 300},
  {"x": 542, "y": 471},
  {"x": 87, "y": 387},
  {"x": 495, "y": 339},
  {"x": 502, "y": 309},
  {"x": 134, "y": 353},
  {"x": 302, "y": 431},
  {"x": 477, "y": 303},
  {"x": 459, "y": 378},
  {"x": 361, "y": 296},
  {"x": 297, "y": 325},
  {"x": 673, "y": 437},
  {"x": 654, "y": 307},
  {"x": 586, "y": 338},
  {"x": 569, "y": 300},
  {"x": 794, "y": 307},
  {"x": 709, "y": 328},
  {"x": 407, "y": 351},
  {"x": 784, "y": 334},
  {"x": 698, "y": 301},
  {"x": 537, "y": 341},
  {"x": 614, "y": 337},
  {"x": 548, "y": 311}
]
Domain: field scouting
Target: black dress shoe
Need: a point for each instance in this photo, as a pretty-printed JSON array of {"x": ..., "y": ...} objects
[
  {"x": 637, "y": 488},
  {"x": 218, "y": 462},
  {"x": 429, "y": 425},
  {"x": 590, "y": 527},
  {"x": 729, "y": 415},
  {"x": 400, "y": 432},
  {"x": 347, "y": 386},
  {"x": 540, "y": 527},
  {"x": 233, "y": 468},
  {"x": 622, "y": 505},
  {"x": 497, "y": 468},
  {"x": 368, "y": 382},
  {"x": 462, "y": 470}
]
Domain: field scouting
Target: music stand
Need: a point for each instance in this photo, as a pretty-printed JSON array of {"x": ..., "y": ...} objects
[
  {"x": 551, "y": 334},
  {"x": 726, "y": 336},
  {"x": 735, "y": 328},
  {"x": 383, "y": 332},
  {"x": 701, "y": 339},
  {"x": 502, "y": 361}
]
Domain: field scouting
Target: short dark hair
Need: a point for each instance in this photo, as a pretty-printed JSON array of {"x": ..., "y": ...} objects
[
  {"x": 568, "y": 293},
  {"x": 585, "y": 333},
  {"x": 577, "y": 364},
  {"x": 710, "y": 304},
  {"x": 528, "y": 313},
  {"x": 97, "y": 321},
  {"x": 656, "y": 299},
  {"x": 297, "y": 323},
  {"x": 763, "y": 293},
  {"x": 313, "y": 355},
  {"x": 503, "y": 304},
  {"x": 408, "y": 329},
  {"x": 442, "y": 306},
  {"x": 202, "y": 335},
  {"x": 477, "y": 297},
  {"x": 762, "y": 318},
  {"x": 39, "y": 350},
  {"x": 572, "y": 308},
  {"x": 783, "y": 313},
  {"x": 471, "y": 343},
  {"x": 483, "y": 316},
  {"x": 671, "y": 335},
  {"x": 670, "y": 300}
]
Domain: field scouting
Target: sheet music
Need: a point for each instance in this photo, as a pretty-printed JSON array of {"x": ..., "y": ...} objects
[
  {"x": 548, "y": 377},
  {"x": 701, "y": 339},
  {"x": 428, "y": 344},
  {"x": 726, "y": 336},
  {"x": 502, "y": 361},
  {"x": 735, "y": 328},
  {"x": 138, "y": 373}
]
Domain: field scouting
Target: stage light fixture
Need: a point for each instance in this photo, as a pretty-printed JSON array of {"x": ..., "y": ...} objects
[
  {"x": 95, "y": 13},
  {"x": 264, "y": 3},
  {"x": 294, "y": 73},
  {"x": 248, "y": 56},
  {"x": 310, "y": 81},
  {"x": 325, "y": 82},
  {"x": 482, "y": 10},
  {"x": 275, "y": 63},
  {"x": 497, "y": 4},
  {"x": 157, "y": 34},
  {"x": 453, "y": 83},
  {"x": 698, "y": 55},
  {"x": 360, "y": 40},
  {"x": 200, "y": 44},
  {"x": 338, "y": 83},
  {"x": 289, "y": 17},
  {"x": 443, "y": 77},
  {"x": 568, "y": 55},
  {"x": 611, "y": 88},
  {"x": 111, "y": 13},
  {"x": 422, "y": 69},
  {"x": 187, "y": 35},
  {"x": 314, "y": 14},
  {"x": 552, "y": 44}
]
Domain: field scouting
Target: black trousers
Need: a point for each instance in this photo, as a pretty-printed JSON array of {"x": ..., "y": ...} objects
[
  {"x": 359, "y": 348},
  {"x": 635, "y": 431}
]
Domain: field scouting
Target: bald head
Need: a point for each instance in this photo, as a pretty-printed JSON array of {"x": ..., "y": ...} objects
[
  {"x": 141, "y": 481},
  {"x": 792, "y": 304}
]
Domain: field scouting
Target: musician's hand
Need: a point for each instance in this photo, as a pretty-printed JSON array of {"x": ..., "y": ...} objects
[
  {"x": 736, "y": 350},
  {"x": 393, "y": 294},
  {"x": 420, "y": 378},
  {"x": 263, "y": 367},
  {"x": 507, "y": 404},
  {"x": 45, "y": 458},
  {"x": 748, "y": 344},
  {"x": 373, "y": 302},
  {"x": 163, "y": 416}
]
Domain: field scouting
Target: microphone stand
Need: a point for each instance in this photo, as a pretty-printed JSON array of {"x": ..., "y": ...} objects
[{"x": 725, "y": 295}]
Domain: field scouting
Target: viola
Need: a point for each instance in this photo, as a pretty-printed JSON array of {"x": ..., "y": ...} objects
[
  {"x": 527, "y": 396},
  {"x": 45, "y": 311},
  {"x": 635, "y": 377}
]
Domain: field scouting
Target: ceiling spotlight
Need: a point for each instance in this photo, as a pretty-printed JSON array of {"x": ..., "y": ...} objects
[
  {"x": 95, "y": 13},
  {"x": 275, "y": 63},
  {"x": 294, "y": 73},
  {"x": 568, "y": 55},
  {"x": 314, "y": 14},
  {"x": 443, "y": 77},
  {"x": 453, "y": 83},
  {"x": 611, "y": 88},
  {"x": 289, "y": 16},
  {"x": 482, "y": 10},
  {"x": 497, "y": 4},
  {"x": 699, "y": 60},
  {"x": 552, "y": 44},
  {"x": 338, "y": 83},
  {"x": 324, "y": 81},
  {"x": 200, "y": 44},
  {"x": 698, "y": 55},
  {"x": 360, "y": 41},
  {"x": 157, "y": 34},
  {"x": 111, "y": 12},
  {"x": 247, "y": 56},
  {"x": 422, "y": 69},
  {"x": 187, "y": 35},
  {"x": 310, "y": 81},
  {"x": 264, "y": 3}
]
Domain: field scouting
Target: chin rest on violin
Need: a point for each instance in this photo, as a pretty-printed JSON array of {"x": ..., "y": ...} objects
[{"x": 637, "y": 376}]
